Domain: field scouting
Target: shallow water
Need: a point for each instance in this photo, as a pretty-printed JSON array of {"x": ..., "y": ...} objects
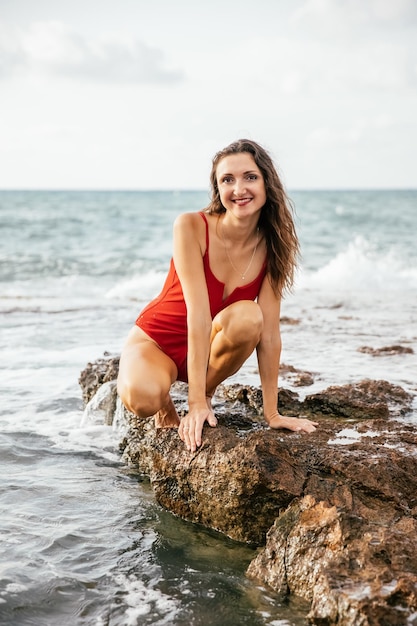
[{"x": 87, "y": 544}]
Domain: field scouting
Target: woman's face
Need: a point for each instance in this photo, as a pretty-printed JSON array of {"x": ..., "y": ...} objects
[{"x": 241, "y": 184}]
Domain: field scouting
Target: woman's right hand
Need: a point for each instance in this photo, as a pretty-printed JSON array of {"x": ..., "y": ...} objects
[{"x": 191, "y": 426}]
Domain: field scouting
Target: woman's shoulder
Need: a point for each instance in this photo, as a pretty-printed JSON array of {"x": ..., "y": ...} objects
[
  {"x": 191, "y": 224},
  {"x": 190, "y": 227},
  {"x": 191, "y": 220},
  {"x": 189, "y": 216}
]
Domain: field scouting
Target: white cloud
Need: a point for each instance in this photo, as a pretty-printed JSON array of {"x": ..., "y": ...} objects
[
  {"x": 51, "y": 48},
  {"x": 397, "y": 12},
  {"x": 292, "y": 67},
  {"x": 329, "y": 138}
]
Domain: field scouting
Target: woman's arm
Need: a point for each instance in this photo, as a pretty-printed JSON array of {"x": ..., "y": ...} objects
[
  {"x": 269, "y": 354},
  {"x": 269, "y": 348},
  {"x": 189, "y": 243}
]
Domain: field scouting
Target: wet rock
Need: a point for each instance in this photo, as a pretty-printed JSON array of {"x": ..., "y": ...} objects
[
  {"x": 96, "y": 373},
  {"x": 251, "y": 399},
  {"x": 333, "y": 512},
  {"x": 351, "y": 571},
  {"x": 365, "y": 399},
  {"x": 102, "y": 406},
  {"x": 304, "y": 379},
  {"x": 229, "y": 485},
  {"x": 386, "y": 351},
  {"x": 296, "y": 377},
  {"x": 292, "y": 321}
]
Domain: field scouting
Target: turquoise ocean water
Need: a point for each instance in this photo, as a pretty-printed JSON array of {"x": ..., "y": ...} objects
[{"x": 82, "y": 540}]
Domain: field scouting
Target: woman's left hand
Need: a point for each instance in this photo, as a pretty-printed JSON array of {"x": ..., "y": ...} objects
[{"x": 296, "y": 424}]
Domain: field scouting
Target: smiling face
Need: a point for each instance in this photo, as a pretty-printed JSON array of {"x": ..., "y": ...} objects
[{"x": 241, "y": 184}]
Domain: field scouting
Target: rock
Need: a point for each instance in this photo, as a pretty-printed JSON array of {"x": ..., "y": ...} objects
[
  {"x": 333, "y": 512},
  {"x": 296, "y": 377},
  {"x": 230, "y": 485},
  {"x": 292, "y": 321},
  {"x": 368, "y": 398},
  {"x": 102, "y": 406},
  {"x": 97, "y": 373},
  {"x": 351, "y": 572},
  {"x": 386, "y": 351}
]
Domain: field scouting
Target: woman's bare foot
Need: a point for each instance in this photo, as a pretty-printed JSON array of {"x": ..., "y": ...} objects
[{"x": 167, "y": 417}]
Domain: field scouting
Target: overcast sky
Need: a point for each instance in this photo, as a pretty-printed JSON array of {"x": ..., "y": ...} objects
[{"x": 140, "y": 94}]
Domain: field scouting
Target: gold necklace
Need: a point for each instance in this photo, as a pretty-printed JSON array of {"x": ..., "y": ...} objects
[{"x": 242, "y": 276}]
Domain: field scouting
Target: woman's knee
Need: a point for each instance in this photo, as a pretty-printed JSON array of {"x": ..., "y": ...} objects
[
  {"x": 142, "y": 388},
  {"x": 243, "y": 322},
  {"x": 142, "y": 400}
]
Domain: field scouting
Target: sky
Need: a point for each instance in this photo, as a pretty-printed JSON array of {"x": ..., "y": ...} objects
[{"x": 140, "y": 94}]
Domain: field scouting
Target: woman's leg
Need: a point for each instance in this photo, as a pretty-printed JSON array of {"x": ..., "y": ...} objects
[
  {"x": 235, "y": 333},
  {"x": 145, "y": 378}
]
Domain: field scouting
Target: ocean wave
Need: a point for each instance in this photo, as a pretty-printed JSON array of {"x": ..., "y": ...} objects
[
  {"x": 140, "y": 287},
  {"x": 361, "y": 267}
]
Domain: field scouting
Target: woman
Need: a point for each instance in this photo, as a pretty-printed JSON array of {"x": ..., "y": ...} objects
[{"x": 221, "y": 299}]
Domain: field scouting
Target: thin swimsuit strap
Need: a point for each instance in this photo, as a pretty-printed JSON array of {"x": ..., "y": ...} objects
[{"x": 207, "y": 230}]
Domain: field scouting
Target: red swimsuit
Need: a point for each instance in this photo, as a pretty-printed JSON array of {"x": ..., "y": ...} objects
[{"x": 165, "y": 318}]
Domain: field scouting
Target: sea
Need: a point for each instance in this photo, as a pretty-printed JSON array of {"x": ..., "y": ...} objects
[{"x": 82, "y": 539}]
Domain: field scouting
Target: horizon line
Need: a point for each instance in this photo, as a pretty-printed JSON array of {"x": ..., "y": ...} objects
[{"x": 188, "y": 190}]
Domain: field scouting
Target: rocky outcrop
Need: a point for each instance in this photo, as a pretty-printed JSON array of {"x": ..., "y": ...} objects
[
  {"x": 353, "y": 572},
  {"x": 333, "y": 512},
  {"x": 386, "y": 350},
  {"x": 96, "y": 374}
]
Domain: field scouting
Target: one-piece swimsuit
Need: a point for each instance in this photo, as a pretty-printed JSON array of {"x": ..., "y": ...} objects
[{"x": 165, "y": 318}]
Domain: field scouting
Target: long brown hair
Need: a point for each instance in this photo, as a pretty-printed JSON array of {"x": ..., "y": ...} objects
[{"x": 276, "y": 220}]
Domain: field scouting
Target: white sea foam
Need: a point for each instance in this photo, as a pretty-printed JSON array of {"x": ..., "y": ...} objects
[
  {"x": 142, "y": 287},
  {"x": 362, "y": 267},
  {"x": 142, "y": 599}
]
